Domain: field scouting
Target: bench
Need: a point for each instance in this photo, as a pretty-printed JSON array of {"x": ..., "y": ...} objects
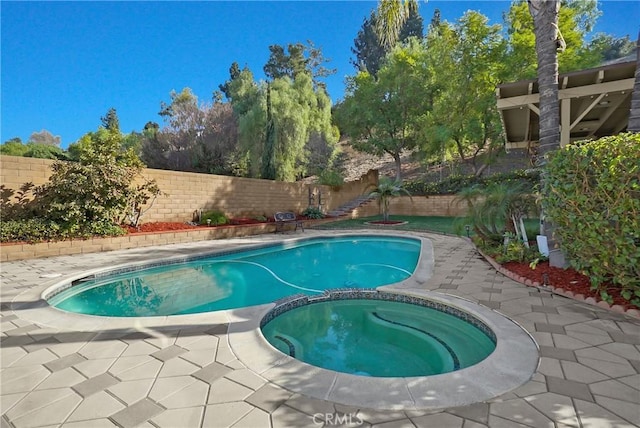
[{"x": 283, "y": 218}]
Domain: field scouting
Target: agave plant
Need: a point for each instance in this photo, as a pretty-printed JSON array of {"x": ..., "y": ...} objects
[{"x": 386, "y": 190}]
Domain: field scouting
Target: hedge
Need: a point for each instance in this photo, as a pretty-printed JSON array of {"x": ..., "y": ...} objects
[{"x": 592, "y": 194}]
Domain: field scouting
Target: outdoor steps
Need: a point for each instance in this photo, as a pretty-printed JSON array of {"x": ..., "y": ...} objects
[{"x": 347, "y": 208}]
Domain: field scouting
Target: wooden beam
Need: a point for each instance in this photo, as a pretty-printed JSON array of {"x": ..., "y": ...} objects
[
  {"x": 586, "y": 111},
  {"x": 565, "y": 118},
  {"x": 581, "y": 91}
]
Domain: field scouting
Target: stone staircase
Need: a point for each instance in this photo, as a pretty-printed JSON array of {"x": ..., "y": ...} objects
[{"x": 345, "y": 209}]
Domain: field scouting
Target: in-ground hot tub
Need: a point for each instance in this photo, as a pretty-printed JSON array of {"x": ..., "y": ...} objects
[
  {"x": 510, "y": 364},
  {"x": 379, "y": 334}
]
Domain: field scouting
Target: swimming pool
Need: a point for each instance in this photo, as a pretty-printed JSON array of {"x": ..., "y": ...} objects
[
  {"x": 242, "y": 278},
  {"x": 379, "y": 334}
]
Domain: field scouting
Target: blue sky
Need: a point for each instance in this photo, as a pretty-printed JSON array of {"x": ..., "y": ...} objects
[{"x": 64, "y": 64}]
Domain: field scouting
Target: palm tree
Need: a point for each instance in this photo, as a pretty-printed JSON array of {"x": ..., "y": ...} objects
[
  {"x": 391, "y": 15},
  {"x": 634, "y": 113},
  {"x": 548, "y": 42},
  {"x": 386, "y": 190}
]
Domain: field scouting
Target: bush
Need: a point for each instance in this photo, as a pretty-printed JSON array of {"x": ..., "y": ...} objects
[
  {"x": 216, "y": 218},
  {"x": 313, "y": 213},
  {"x": 331, "y": 177},
  {"x": 592, "y": 194},
  {"x": 38, "y": 230},
  {"x": 455, "y": 183}
]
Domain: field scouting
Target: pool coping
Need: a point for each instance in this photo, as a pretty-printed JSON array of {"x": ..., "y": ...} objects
[{"x": 512, "y": 363}]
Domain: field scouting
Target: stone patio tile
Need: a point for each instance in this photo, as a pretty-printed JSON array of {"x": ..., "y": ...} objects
[
  {"x": 255, "y": 418},
  {"x": 624, "y": 409},
  {"x": 223, "y": 353},
  {"x": 22, "y": 379},
  {"x": 441, "y": 420},
  {"x": 9, "y": 400},
  {"x": 269, "y": 397},
  {"x": 403, "y": 423},
  {"x": 201, "y": 357},
  {"x": 95, "y": 384},
  {"x": 194, "y": 394},
  {"x": 498, "y": 422},
  {"x": 168, "y": 353},
  {"x": 556, "y": 407},
  {"x": 287, "y": 417},
  {"x": 139, "y": 347},
  {"x": 592, "y": 415},
  {"x": 162, "y": 340},
  {"x": 93, "y": 423},
  {"x": 224, "y": 390},
  {"x": 64, "y": 362},
  {"x": 635, "y": 364},
  {"x": 614, "y": 388},
  {"x": 569, "y": 388},
  {"x": 624, "y": 350},
  {"x": 633, "y": 381},
  {"x": 103, "y": 349},
  {"x": 92, "y": 368},
  {"x": 375, "y": 417},
  {"x": 543, "y": 339},
  {"x": 41, "y": 356},
  {"x": 218, "y": 329},
  {"x": 549, "y": 328},
  {"x": 132, "y": 391},
  {"x": 211, "y": 372},
  {"x": 97, "y": 406},
  {"x": 557, "y": 353},
  {"x": 10, "y": 355},
  {"x": 225, "y": 414},
  {"x": 530, "y": 388},
  {"x": 490, "y": 304},
  {"x": 311, "y": 406},
  {"x": 581, "y": 373},
  {"x": 46, "y": 407},
  {"x": 472, "y": 424},
  {"x": 164, "y": 387},
  {"x": 196, "y": 343},
  {"x": 564, "y": 341},
  {"x": 138, "y": 367},
  {"x": 620, "y": 337},
  {"x": 177, "y": 367},
  {"x": 478, "y": 412},
  {"x": 137, "y": 413},
  {"x": 521, "y": 412},
  {"x": 18, "y": 330},
  {"x": 60, "y": 379},
  {"x": 610, "y": 368},
  {"x": 185, "y": 417},
  {"x": 569, "y": 318}
]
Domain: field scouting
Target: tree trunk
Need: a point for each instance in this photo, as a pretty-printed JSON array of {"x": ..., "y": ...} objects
[
  {"x": 634, "y": 113},
  {"x": 545, "y": 19},
  {"x": 398, "y": 161}
]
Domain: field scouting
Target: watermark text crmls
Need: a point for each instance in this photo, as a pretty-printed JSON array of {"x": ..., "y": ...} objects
[{"x": 337, "y": 419}]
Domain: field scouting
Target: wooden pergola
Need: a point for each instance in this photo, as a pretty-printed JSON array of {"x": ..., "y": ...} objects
[{"x": 593, "y": 103}]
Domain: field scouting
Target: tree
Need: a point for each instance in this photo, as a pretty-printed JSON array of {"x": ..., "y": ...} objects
[
  {"x": 575, "y": 20},
  {"x": 385, "y": 191},
  {"x": 391, "y": 16},
  {"x": 466, "y": 60},
  {"x": 110, "y": 120},
  {"x": 13, "y": 147},
  {"x": 370, "y": 52},
  {"x": 44, "y": 137},
  {"x": 383, "y": 116},
  {"x": 298, "y": 58},
  {"x": 607, "y": 48},
  {"x": 545, "y": 19},
  {"x": 634, "y": 112}
]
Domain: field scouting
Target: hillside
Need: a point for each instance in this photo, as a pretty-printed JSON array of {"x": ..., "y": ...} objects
[{"x": 357, "y": 164}]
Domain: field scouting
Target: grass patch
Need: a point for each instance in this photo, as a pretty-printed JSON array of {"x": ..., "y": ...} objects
[
  {"x": 439, "y": 224},
  {"x": 416, "y": 223}
]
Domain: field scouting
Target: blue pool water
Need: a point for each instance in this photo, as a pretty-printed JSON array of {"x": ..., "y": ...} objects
[
  {"x": 378, "y": 338},
  {"x": 245, "y": 278}
]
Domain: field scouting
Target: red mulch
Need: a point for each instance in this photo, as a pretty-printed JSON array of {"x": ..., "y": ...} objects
[
  {"x": 159, "y": 227},
  {"x": 567, "y": 279}
]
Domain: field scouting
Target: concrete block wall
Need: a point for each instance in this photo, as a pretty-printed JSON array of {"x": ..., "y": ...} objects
[{"x": 185, "y": 193}]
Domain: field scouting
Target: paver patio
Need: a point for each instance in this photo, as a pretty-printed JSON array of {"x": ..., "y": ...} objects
[{"x": 185, "y": 373}]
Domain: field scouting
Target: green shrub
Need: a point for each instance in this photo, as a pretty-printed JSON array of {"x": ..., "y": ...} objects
[
  {"x": 456, "y": 183},
  {"x": 313, "y": 212},
  {"x": 38, "y": 230},
  {"x": 592, "y": 194},
  {"x": 216, "y": 218},
  {"x": 331, "y": 177}
]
